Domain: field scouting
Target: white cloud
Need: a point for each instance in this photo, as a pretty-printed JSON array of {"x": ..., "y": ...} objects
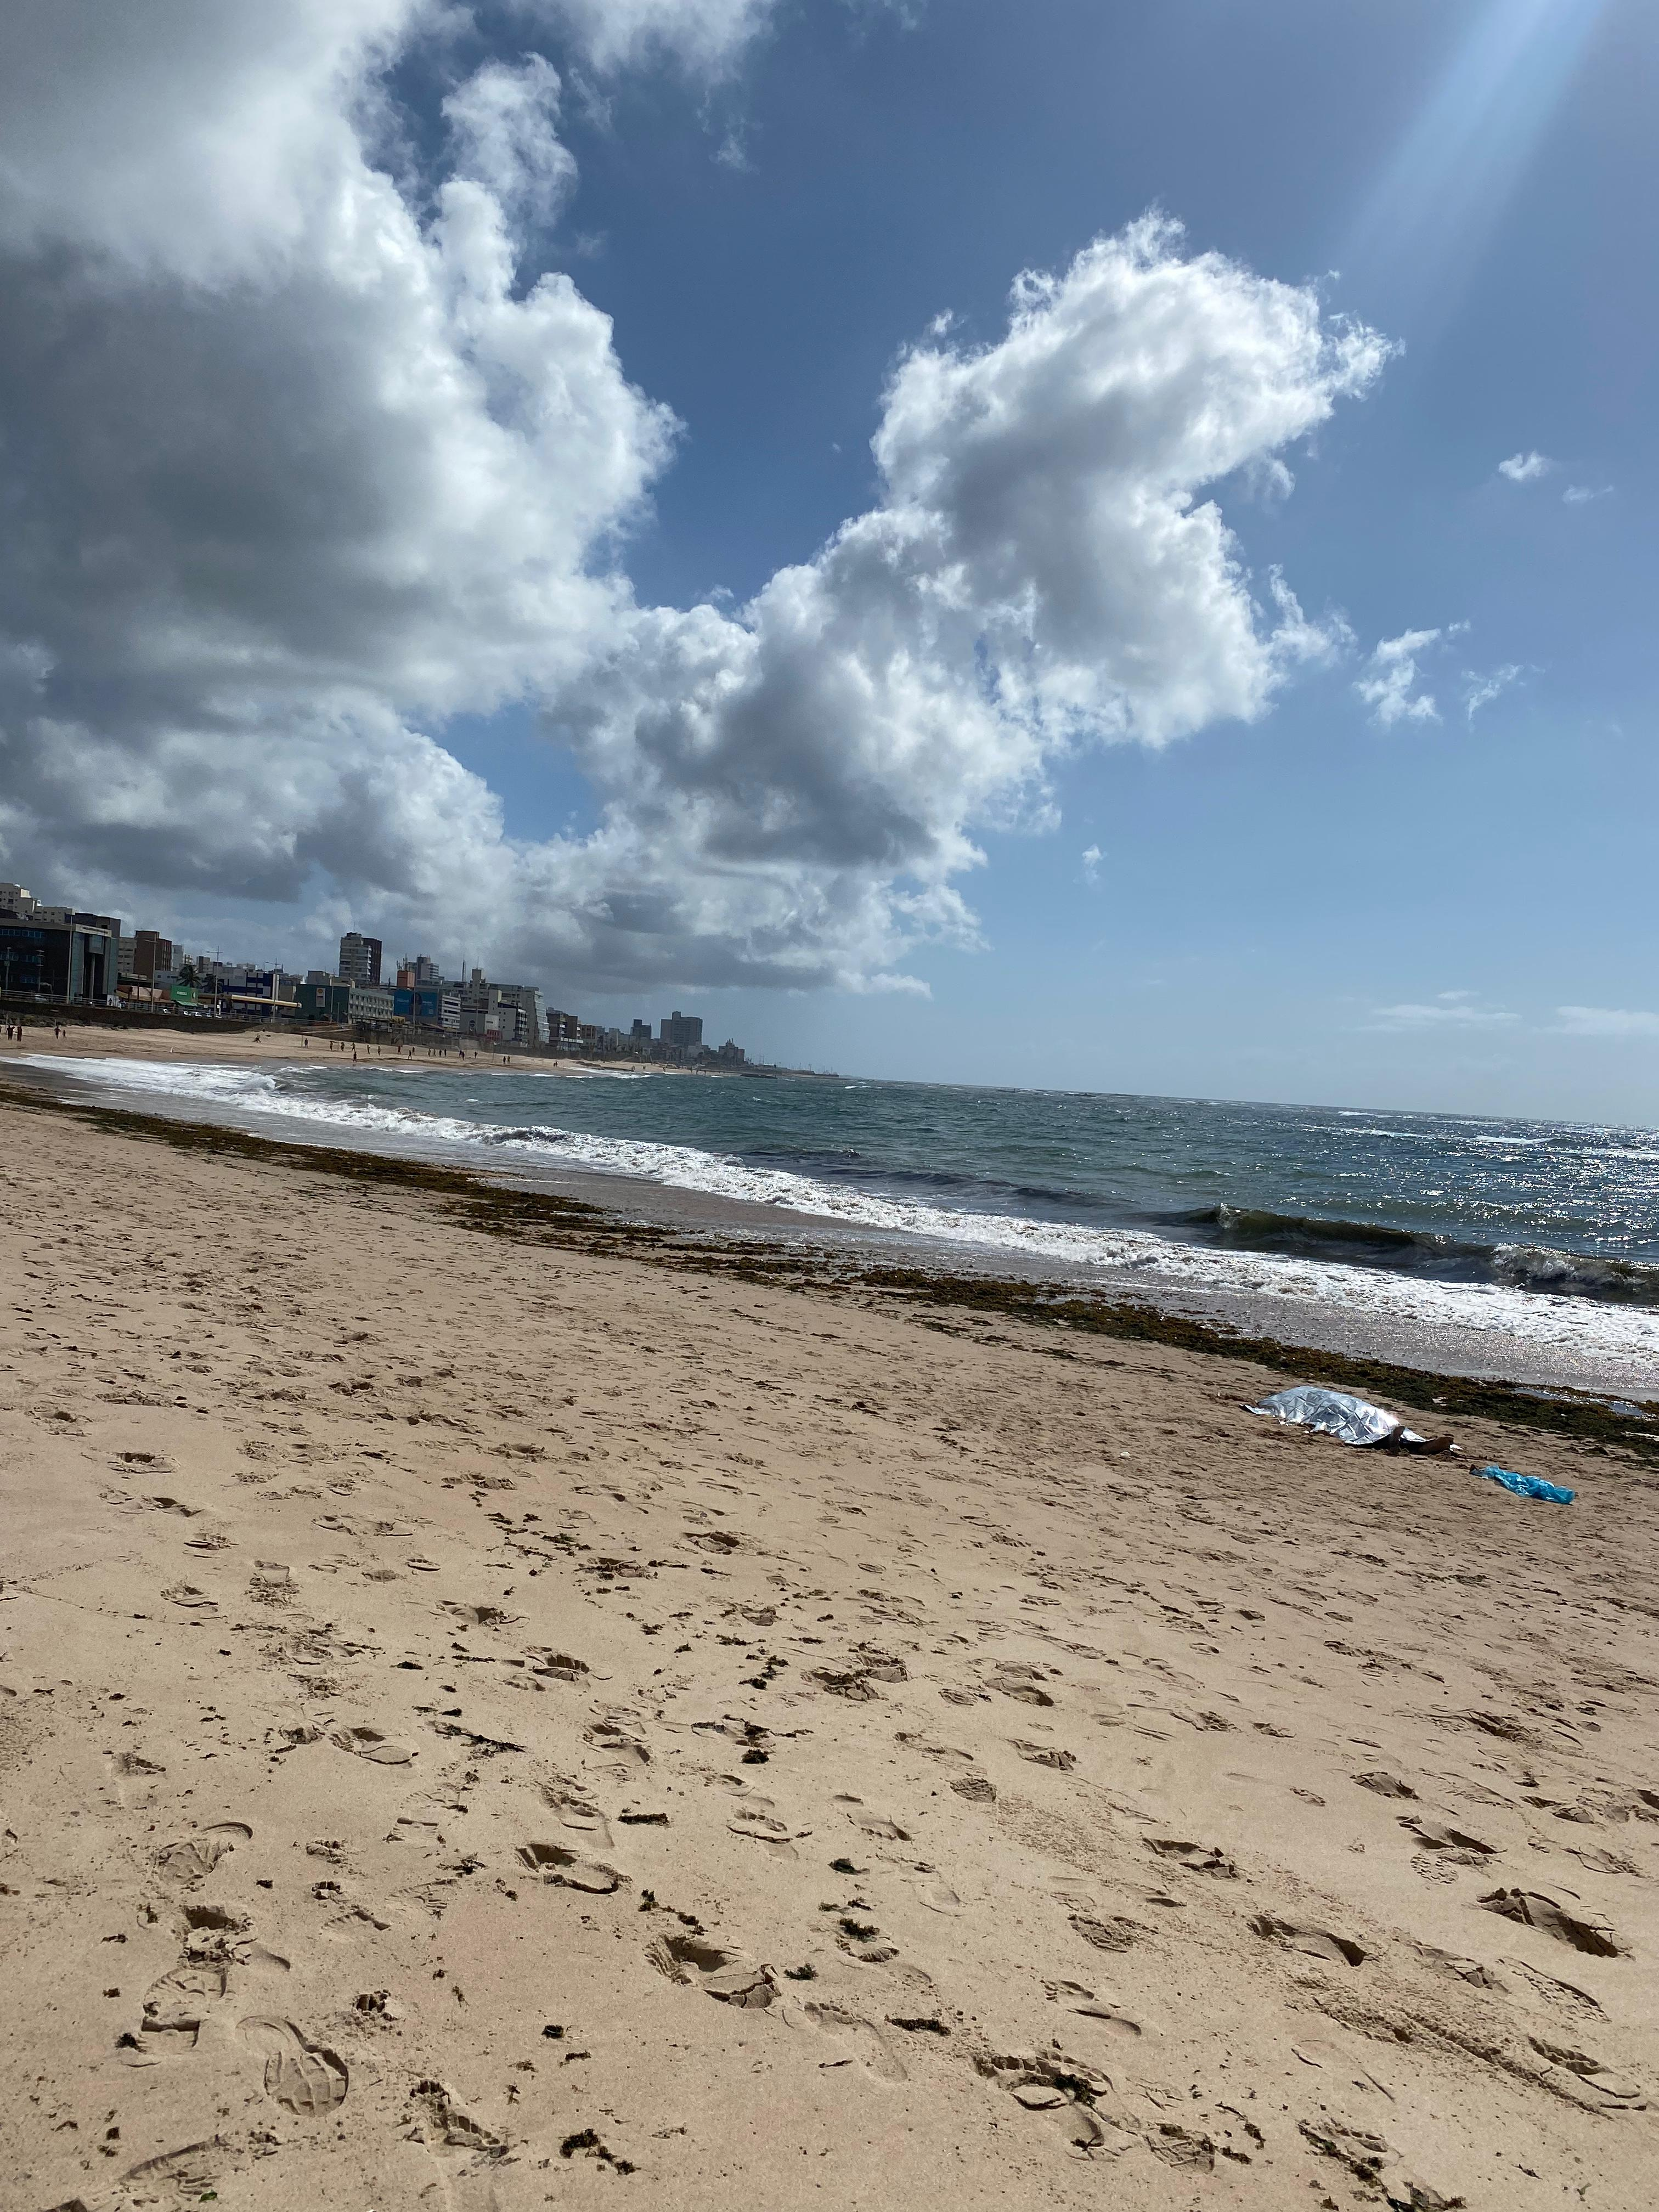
[
  {"x": 504, "y": 120},
  {"x": 309, "y": 470},
  {"x": 1525, "y": 468},
  {"x": 1480, "y": 690},
  {"x": 706, "y": 36},
  {"x": 1582, "y": 495},
  {"x": 1606, "y": 1021},
  {"x": 1091, "y": 858},
  {"x": 1447, "y": 1010},
  {"x": 1388, "y": 684}
]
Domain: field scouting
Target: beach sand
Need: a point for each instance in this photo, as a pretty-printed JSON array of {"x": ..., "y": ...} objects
[
  {"x": 211, "y": 1043},
  {"x": 486, "y": 1725}
]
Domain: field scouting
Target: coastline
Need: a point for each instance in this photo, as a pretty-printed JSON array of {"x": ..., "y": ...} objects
[
  {"x": 499, "y": 1700},
  {"x": 594, "y": 1212},
  {"x": 206, "y": 1043},
  {"x": 1352, "y": 1315}
]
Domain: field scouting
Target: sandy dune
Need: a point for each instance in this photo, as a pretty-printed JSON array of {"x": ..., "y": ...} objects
[{"x": 481, "y": 1726}]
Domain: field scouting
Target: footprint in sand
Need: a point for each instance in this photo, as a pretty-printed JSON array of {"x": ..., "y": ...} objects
[
  {"x": 1440, "y": 1836},
  {"x": 722, "y": 1974},
  {"x": 1023, "y": 1684},
  {"x": 369, "y": 1743},
  {"x": 1197, "y": 1858},
  {"x": 977, "y": 1789},
  {"x": 872, "y": 1824},
  {"x": 773, "y": 1836},
  {"x": 575, "y": 1811},
  {"x": 479, "y": 1616},
  {"x": 623, "y": 1749},
  {"x": 931, "y": 1747},
  {"x": 1064, "y": 2090},
  {"x": 194, "y": 1857},
  {"x": 191, "y": 1599},
  {"x": 188, "y": 2173},
  {"x": 445, "y": 2120},
  {"x": 208, "y": 1931},
  {"x": 868, "y": 2047},
  {"x": 1385, "y": 1785},
  {"x": 421, "y": 1564},
  {"x": 936, "y": 1893},
  {"x": 1534, "y": 1910},
  {"x": 1087, "y": 2006},
  {"x": 1313, "y": 1943},
  {"x": 1045, "y": 1754},
  {"x": 563, "y": 1869},
  {"x": 133, "y": 1764},
  {"x": 302, "y": 2076},
  {"x": 1107, "y": 1932},
  {"x": 176, "y": 2006},
  {"x": 420, "y": 1824},
  {"x": 1605, "y": 2086}
]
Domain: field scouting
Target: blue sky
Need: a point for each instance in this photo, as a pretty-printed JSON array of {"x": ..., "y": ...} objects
[
  {"x": 1348, "y": 895},
  {"x": 1261, "y": 892}
]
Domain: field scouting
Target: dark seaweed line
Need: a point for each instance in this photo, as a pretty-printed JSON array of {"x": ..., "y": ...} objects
[{"x": 576, "y": 1224}]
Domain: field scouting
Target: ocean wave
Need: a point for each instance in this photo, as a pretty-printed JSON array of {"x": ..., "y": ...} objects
[
  {"x": 1448, "y": 1259},
  {"x": 1523, "y": 1305}
]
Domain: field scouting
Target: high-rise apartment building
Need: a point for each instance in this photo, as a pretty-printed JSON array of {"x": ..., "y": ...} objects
[
  {"x": 360, "y": 958},
  {"x": 680, "y": 1032},
  {"x": 145, "y": 955}
]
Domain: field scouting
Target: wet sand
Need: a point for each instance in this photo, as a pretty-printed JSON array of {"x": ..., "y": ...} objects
[{"x": 484, "y": 1724}]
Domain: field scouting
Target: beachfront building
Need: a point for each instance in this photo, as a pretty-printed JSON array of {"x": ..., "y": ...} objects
[
  {"x": 323, "y": 996},
  {"x": 56, "y": 955},
  {"x": 252, "y": 994},
  {"x": 522, "y": 1002},
  {"x": 370, "y": 1002},
  {"x": 360, "y": 958},
  {"x": 145, "y": 957},
  {"x": 509, "y": 1014},
  {"x": 681, "y": 1032},
  {"x": 429, "y": 1004}
]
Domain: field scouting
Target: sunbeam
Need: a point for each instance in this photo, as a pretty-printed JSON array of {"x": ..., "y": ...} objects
[{"x": 1447, "y": 184}]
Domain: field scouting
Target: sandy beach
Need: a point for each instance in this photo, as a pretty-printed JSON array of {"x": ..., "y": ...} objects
[
  {"x": 206, "y": 1043},
  {"x": 487, "y": 1722}
]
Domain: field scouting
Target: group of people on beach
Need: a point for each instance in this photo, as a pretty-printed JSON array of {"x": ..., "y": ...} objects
[{"x": 14, "y": 1032}]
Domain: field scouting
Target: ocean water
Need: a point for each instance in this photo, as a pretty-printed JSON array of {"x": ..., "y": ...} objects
[{"x": 1535, "y": 1228}]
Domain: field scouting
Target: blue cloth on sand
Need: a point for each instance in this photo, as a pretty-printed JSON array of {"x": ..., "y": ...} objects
[{"x": 1528, "y": 1485}]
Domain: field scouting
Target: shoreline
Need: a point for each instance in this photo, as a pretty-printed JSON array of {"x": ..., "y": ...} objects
[
  {"x": 1331, "y": 1310},
  {"x": 249, "y": 1046},
  {"x": 588, "y": 1211}
]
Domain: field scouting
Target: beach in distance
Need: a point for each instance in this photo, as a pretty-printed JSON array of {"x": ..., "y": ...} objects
[{"x": 506, "y": 1702}]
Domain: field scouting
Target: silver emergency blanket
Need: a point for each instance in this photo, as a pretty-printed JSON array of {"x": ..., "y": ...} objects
[{"x": 1334, "y": 1413}]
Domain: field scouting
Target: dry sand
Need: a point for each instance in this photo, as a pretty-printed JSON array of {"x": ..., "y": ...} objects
[{"x": 482, "y": 1725}]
